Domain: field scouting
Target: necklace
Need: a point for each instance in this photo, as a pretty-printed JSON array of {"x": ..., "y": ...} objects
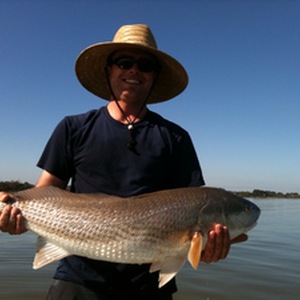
[{"x": 130, "y": 126}]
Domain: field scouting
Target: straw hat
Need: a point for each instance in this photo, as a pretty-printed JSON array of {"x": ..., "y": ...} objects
[{"x": 92, "y": 61}]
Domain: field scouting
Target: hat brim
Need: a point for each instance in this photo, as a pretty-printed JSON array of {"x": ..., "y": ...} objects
[{"x": 92, "y": 61}]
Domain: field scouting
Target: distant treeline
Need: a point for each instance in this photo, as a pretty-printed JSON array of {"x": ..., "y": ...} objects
[
  {"x": 14, "y": 186},
  {"x": 268, "y": 194}
]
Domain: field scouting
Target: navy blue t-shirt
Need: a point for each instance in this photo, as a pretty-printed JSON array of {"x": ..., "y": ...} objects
[{"x": 91, "y": 149}]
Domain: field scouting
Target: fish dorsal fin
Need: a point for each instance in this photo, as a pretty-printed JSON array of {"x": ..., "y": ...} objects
[
  {"x": 168, "y": 268},
  {"x": 194, "y": 255},
  {"x": 47, "y": 253}
]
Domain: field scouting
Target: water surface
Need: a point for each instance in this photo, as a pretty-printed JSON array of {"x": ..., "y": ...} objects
[{"x": 265, "y": 267}]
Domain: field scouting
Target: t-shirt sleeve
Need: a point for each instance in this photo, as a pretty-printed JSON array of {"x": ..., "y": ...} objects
[
  {"x": 57, "y": 157},
  {"x": 185, "y": 166}
]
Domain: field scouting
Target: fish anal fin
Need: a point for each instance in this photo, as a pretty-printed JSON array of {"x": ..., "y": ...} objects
[
  {"x": 168, "y": 268},
  {"x": 194, "y": 255},
  {"x": 47, "y": 253}
]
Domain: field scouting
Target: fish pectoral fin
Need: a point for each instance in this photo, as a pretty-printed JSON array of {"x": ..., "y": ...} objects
[
  {"x": 194, "y": 255},
  {"x": 47, "y": 253},
  {"x": 168, "y": 268}
]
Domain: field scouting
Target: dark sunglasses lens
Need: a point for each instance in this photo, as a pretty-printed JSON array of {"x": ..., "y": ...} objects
[
  {"x": 124, "y": 63},
  {"x": 146, "y": 65},
  {"x": 143, "y": 64}
]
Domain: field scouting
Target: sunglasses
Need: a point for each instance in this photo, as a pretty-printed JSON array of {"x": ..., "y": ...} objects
[{"x": 144, "y": 65}]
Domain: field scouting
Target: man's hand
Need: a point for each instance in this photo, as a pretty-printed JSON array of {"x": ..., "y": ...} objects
[
  {"x": 218, "y": 244},
  {"x": 11, "y": 219}
]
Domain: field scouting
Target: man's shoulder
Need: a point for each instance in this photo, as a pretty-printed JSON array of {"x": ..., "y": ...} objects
[
  {"x": 78, "y": 120},
  {"x": 166, "y": 124},
  {"x": 85, "y": 115}
]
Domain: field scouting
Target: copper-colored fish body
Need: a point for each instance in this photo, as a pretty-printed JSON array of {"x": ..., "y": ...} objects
[{"x": 162, "y": 228}]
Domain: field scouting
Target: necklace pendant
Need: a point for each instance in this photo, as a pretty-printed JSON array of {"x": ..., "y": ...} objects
[{"x": 130, "y": 126}]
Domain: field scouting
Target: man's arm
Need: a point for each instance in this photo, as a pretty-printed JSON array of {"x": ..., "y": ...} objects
[{"x": 47, "y": 178}]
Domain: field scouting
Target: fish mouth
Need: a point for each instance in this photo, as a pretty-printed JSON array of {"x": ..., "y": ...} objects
[{"x": 251, "y": 226}]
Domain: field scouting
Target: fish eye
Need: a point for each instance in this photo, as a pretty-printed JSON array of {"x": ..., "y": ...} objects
[{"x": 247, "y": 208}]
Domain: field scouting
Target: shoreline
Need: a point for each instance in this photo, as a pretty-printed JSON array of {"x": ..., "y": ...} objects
[{"x": 14, "y": 186}]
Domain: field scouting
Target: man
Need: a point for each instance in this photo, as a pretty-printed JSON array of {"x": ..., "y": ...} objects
[{"x": 122, "y": 149}]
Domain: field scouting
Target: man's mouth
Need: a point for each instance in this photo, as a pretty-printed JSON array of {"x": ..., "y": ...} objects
[{"x": 132, "y": 81}]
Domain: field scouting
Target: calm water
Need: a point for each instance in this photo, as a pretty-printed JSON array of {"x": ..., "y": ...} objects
[{"x": 265, "y": 267}]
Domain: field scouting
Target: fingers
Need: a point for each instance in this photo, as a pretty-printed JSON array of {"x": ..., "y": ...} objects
[
  {"x": 11, "y": 219},
  {"x": 20, "y": 224},
  {"x": 3, "y": 197},
  {"x": 15, "y": 215},
  {"x": 218, "y": 244},
  {"x": 5, "y": 218},
  {"x": 224, "y": 241}
]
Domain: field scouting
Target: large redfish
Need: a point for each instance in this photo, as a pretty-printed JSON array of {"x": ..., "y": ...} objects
[{"x": 161, "y": 228}]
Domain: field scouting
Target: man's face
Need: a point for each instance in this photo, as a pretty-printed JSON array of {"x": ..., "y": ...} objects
[{"x": 131, "y": 75}]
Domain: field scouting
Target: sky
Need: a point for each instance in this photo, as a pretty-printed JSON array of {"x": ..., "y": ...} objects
[{"x": 241, "y": 107}]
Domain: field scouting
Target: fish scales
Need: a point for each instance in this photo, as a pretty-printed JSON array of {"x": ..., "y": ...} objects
[
  {"x": 73, "y": 224},
  {"x": 157, "y": 228}
]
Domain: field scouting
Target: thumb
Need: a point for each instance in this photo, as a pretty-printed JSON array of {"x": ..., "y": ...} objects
[{"x": 4, "y": 196}]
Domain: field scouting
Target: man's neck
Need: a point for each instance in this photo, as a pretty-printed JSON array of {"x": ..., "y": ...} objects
[{"x": 126, "y": 113}]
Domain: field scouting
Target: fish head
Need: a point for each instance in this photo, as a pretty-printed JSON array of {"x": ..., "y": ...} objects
[
  {"x": 242, "y": 216},
  {"x": 238, "y": 214}
]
